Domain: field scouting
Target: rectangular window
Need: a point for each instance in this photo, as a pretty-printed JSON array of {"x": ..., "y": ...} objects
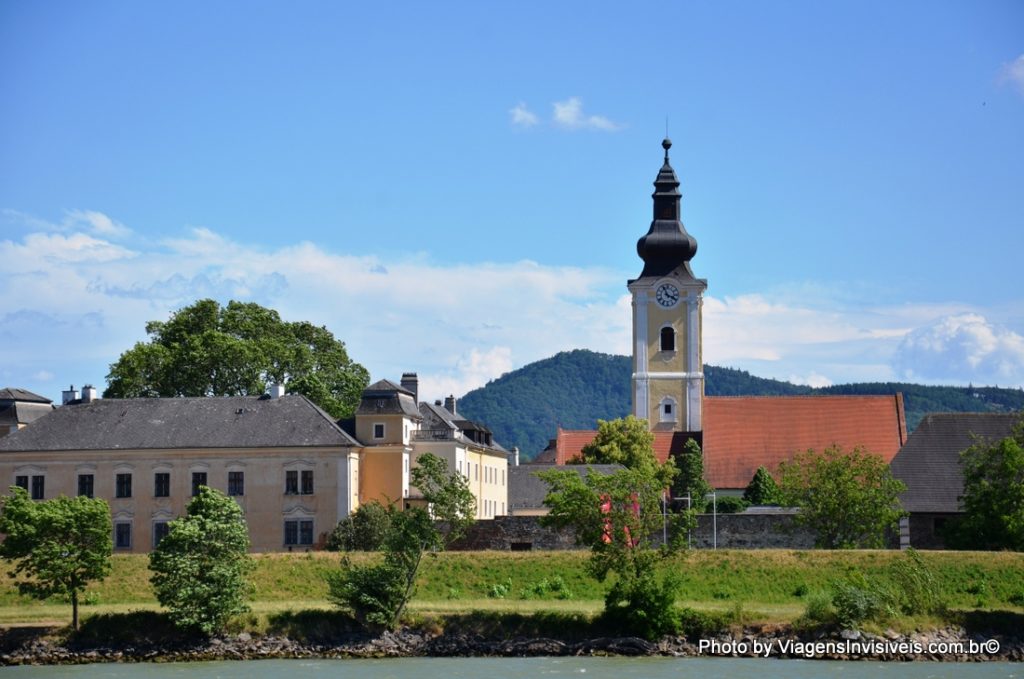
[
  {"x": 85, "y": 485},
  {"x": 123, "y": 535},
  {"x": 476, "y": 473},
  {"x": 298, "y": 532},
  {"x": 307, "y": 481},
  {"x": 198, "y": 479},
  {"x": 160, "y": 531},
  {"x": 38, "y": 484},
  {"x": 123, "y": 486},
  {"x": 162, "y": 484},
  {"x": 291, "y": 483},
  {"x": 21, "y": 482},
  {"x": 503, "y": 480},
  {"x": 378, "y": 431},
  {"x": 236, "y": 483}
]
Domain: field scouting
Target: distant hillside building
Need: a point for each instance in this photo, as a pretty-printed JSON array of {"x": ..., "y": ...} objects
[
  {"x": 929, "y": 464},
  {"x": 292, "y": 468},
  {"x": 737, "y": 434}
]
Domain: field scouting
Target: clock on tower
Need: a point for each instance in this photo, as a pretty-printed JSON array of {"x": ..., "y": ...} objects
[{"x": 668, "y": 366}]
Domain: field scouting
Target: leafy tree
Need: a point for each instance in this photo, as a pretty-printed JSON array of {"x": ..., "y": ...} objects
[
  {"x": 365, "y": 530},
  {"x": 626, "y": 441},
  {"x": 762, "y": 489},
  {"x": 209, "y": 350},
  {"x": 60, "y": 544},
  {"x": 615, "y": 515},
  {"x": 200, "y": 567},
  {"x": 691, "y": 476},
  {"x": 848, "y": 499},
  {"x": 993, "y": 498},
  {"x": 378, "y": 594}
]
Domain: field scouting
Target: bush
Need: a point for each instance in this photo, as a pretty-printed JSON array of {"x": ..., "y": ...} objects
[
  {"x": 731, "y": 505},
  {"x": 819, "y": 609},
  {"x": 374, "y": 594},
  {"x": 701, "y": 624},
  {"x": 643, "y": 606},
  {"x": 918, "y": 590},
  {"x": 364, "y": 530},
  {"x": 856, "y": 601}
]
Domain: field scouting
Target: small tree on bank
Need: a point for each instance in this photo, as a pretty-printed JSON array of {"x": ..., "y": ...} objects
[
  {"x": 378, "y": 594},
  {"x": 626, "y": 441},
  {"x": 691, "y": 479},
  {"x": 993, "y": 498},
  {"x": 60, "y": 544},
  {"x": 200, "y": 567},
  {"x": 615, "y": 515},
  {"x": 849, "y": 499},
  {"x": 365, "y": 530}
]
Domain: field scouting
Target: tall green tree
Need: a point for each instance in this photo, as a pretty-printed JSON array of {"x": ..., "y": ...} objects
[
  {"x": 626, "y": 441},
  {"x": 616, "y": 515},
  {"x": 199, "y": 568},
  {"x": 993, "y": 498},
  {"x": 691, "y": 481},
  {"x": 60, "y": 545},
  {"x": 849, "y": 499},
  {"x": 236, "y": 350},
  {"x": 762, "y": 489},
  {"x": 378, "y": 594}
]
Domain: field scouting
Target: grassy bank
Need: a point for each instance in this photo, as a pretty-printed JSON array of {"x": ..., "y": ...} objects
[{"x": 764, "y": 585}]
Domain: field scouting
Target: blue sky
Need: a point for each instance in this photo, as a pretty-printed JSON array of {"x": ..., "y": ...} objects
[{"x": 457, "y": 188}]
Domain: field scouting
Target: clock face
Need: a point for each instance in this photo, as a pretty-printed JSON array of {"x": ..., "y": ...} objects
[{"x": 667, "y": 295}]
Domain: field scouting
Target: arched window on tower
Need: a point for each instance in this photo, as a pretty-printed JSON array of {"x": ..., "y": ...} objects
[
  {"x": 667, "y": 410},
  {"x": 668, "y": 339}
]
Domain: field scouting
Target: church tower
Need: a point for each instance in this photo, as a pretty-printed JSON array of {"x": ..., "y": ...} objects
[{"x": 668, "y": 365}]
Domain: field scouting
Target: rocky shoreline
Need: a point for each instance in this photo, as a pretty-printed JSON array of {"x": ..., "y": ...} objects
[{"x": 950, "y": 644}]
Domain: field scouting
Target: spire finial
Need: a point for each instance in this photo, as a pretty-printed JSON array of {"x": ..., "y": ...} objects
[{"x": 666, "y": 144}]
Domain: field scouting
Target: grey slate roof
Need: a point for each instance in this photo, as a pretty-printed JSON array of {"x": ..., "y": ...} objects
[
  {"x": 526, "y": 491},
  {"x": 15, "y": 394},
  {"x": 387, "y": 398},
  {"x": 22, "y": 412},
  {"x": 172, "y": 423},
  {"x": 929, "y": 462}
]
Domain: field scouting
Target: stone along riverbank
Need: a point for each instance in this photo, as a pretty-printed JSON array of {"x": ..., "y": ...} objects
[{"x": 27, "y": 647}]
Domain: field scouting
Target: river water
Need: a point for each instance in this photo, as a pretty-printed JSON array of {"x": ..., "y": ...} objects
[{"x": 517, "y": 668}]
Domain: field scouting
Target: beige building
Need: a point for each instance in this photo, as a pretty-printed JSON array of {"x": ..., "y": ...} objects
[{"x": 293, "y": 469}]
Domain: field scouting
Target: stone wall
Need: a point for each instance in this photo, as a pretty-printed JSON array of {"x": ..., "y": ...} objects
[{"x": 735, "y": 531}]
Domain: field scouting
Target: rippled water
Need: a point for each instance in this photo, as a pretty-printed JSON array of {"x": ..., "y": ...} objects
[{"x": 509, "y": 668}]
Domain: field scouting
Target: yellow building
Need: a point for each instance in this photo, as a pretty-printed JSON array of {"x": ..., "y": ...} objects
[{"x": 293, "y": 469}]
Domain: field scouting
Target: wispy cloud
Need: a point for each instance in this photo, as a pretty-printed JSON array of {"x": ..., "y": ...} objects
[
  {"x": 569, "y": 114},
  {"x": 522, "y": 116},
  {"x": 74, "y": 301},
  {"x": 1013, "y": 74}
]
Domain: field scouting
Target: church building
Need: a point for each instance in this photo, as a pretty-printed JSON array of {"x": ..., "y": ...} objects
[{"x": 737, "y": 434}]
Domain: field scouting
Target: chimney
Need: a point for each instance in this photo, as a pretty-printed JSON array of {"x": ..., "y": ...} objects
[
  {"x": 514, "y": 456},
  {"x": 412, "y": 383},
  {"x": 68, "y": 395},
  {"x": 276, "y": 390},
  {"x": 449, "y": 404},
  {"x": 88, "y": 393}
]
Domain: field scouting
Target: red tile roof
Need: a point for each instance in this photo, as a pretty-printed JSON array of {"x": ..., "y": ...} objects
[{"x": 742, "y": 433}]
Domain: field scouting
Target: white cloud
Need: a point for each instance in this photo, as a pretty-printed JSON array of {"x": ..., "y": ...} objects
[
  {"x": 43, "y": 376},
  {"x": 569, "y": 114},
  {"x": 522, "y": 116},
  {"x": 469, "y": 372},
  {"x": 962, "y": 348},
  {"x": 812, "y": 380},
  {"x": 1013, "y": 74},
  {"x": 99, "y": 223}
]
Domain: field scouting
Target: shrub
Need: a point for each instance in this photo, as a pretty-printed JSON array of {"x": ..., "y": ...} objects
[
  {"x": 856, "y": 601},
  {"x": 819, "y": 609},
  {"x": 701, "y": 624},
  {"x": 731, "y": 505},
  {"x": 499, "y": 590},
  {"x": 643, "y": 606},
  {"x": 364, "y": 530},
  {"x": 918, "y": 590}
]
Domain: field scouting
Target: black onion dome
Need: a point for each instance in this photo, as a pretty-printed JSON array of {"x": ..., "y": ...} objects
[{"x": 667, "y": 245}]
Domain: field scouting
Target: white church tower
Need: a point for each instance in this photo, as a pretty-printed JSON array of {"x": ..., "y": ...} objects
[{"x": 668, "y": 365}]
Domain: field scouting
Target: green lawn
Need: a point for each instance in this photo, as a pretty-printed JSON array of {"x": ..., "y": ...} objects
[{"x": 761, "y": 585}]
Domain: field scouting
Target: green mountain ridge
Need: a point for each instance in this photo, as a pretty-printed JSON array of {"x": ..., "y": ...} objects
[{"x": 574, "y": 389}]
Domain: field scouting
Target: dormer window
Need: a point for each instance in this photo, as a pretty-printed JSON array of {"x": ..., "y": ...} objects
[{"x": 668, "y": 339}]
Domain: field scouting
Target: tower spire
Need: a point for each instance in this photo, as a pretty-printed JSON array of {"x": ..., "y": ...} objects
[{"x": 666, "y": 245}]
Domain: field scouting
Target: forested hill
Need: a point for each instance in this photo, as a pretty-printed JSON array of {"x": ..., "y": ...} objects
[{"x": 574, "y": 389}]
